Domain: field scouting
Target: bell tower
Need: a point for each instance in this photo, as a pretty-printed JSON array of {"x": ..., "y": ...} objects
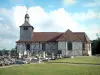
[{"x": 26, "y": 30}]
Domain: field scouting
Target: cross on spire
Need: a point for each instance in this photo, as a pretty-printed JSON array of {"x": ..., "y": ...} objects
[
  {"x": 27, "y": 16},
  {"x": 27, "y": 9}
]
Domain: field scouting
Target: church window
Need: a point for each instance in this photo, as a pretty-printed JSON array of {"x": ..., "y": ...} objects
[
  {"x": 43, "y": 46},
  {"x": 25, "y": 28},
  {"x": 89, "y": 46},
  {"x": 83, "y": 46},
  {"x": 69, "y": 45},
  {"x": 27, "y": 46}
]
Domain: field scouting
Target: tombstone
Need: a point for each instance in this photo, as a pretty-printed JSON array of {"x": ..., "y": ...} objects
[
  {"x": 72, "y": 56},
  {"x": 44, "y": 54},
  {"x": 39, "y": 59},
  {"x": 53, "y": 55}
]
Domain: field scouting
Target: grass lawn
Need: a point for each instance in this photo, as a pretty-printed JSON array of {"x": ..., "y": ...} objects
[
  {"x": 80, "y": 59},
  {"x": 51, "y": 69},
  {"x": 57, "y": 68}
]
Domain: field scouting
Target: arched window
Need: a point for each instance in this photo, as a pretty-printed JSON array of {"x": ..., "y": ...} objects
[
  {"x": 69, "y": 45},
  {"x": 27, "y": 46},
  {"x": 83, "y": 45},
  {"x": 43, "y": 46}
]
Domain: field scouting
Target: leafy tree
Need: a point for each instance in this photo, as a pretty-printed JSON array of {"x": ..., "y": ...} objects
[
  {"x": 1, "y": 53},
  {"x": 96, "y": 46},
  {"x": 14, "y": 53},
  {"x": 6, "y": 52}
]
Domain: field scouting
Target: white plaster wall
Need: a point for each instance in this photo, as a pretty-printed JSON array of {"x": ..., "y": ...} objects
[
  {"x": 87, "y": 46},
  {"x": 21, "y": 49},
  {"x": 36, "y": 46},
  {"x": 61, "y": 45},
  {"x": 88, "y": 49},
  {"x": 72, "y": 53},
  {"x": 77, "y": 45},
  {"x": 51, "y": 46},
  {"x": 76, "y": 49}
]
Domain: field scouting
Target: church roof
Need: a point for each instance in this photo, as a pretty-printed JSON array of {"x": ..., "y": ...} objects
[
  {"x": 69, "y": 36},
  {"x": 58, "y": 36},
  {"x": 25, "y": 24},
  {"x": 46, "y": 36}
]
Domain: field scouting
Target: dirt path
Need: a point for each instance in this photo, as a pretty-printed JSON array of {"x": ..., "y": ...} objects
[
  {"x": 54, "y": 63},
  {"x": 8, "y": 66},
  {"x": 91, "y": 64}
]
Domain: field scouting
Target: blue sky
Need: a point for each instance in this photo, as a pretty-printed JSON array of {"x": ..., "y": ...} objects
[{"x": 48, "y": 15}]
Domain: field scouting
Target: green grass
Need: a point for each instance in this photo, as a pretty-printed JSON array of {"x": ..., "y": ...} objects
[
  {"x": 51, "y": 69},
  {"x": 80, "y": 59},
  {"x": 57, "y": 68}
]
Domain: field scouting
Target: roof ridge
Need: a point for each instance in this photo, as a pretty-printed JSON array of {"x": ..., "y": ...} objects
[{"x": 69, "y": 35}]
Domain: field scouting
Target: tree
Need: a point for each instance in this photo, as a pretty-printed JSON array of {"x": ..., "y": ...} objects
[
  {"x": 14, "y": 53},
  {"x": 96, "y": 46},
  {"x": 1, "y": 53},
  {"x": 6, "y": 52}
]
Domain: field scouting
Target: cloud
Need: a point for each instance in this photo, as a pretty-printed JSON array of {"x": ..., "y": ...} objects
[
  {"x": 40, "y": 19},
  {"x": 89, "y": 15},
  {"x": 93, "y": 3},
  {"x": 56, "y": 20},
  {"x": 90, "y": 29},
  {"x": 1, "y": 18},
  {"x": 8, "y": 31},
  {"x": 69, "y": 2}
]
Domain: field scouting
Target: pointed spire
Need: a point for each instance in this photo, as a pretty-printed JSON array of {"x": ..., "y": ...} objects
[
  {"x": 27, "y": 16},
  {"x": 27, "y": 9}
]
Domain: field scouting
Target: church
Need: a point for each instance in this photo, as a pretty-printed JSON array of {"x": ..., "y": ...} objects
[{"x": 65, "y": 43}]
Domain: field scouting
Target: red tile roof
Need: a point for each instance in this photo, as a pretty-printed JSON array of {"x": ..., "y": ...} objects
[
  {"x": 58, "y": 36},
  {"x": 46, "y": 36},
  {"x": 68, "y": 36}
]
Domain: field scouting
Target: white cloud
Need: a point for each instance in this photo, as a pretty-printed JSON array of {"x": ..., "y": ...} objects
[
  {"x": 18, "y": 14},
  {"x": 8, "y": 31},
  {"x": 41, "y": 19},
  {"x": 1, "y": 18},
  {"x": 60, "y": 20},
  {"x": 89, "y": 15},
  {"x": 56, "y": 20},
  {"x": 91, "y": 30},
  {"x": 93, "y": 3},
  {"x": 63, "y": 20},
  {"x": 68, "y": 2}
]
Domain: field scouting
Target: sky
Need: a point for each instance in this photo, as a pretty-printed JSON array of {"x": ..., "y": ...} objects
[{"x": 48, "y": 16}]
